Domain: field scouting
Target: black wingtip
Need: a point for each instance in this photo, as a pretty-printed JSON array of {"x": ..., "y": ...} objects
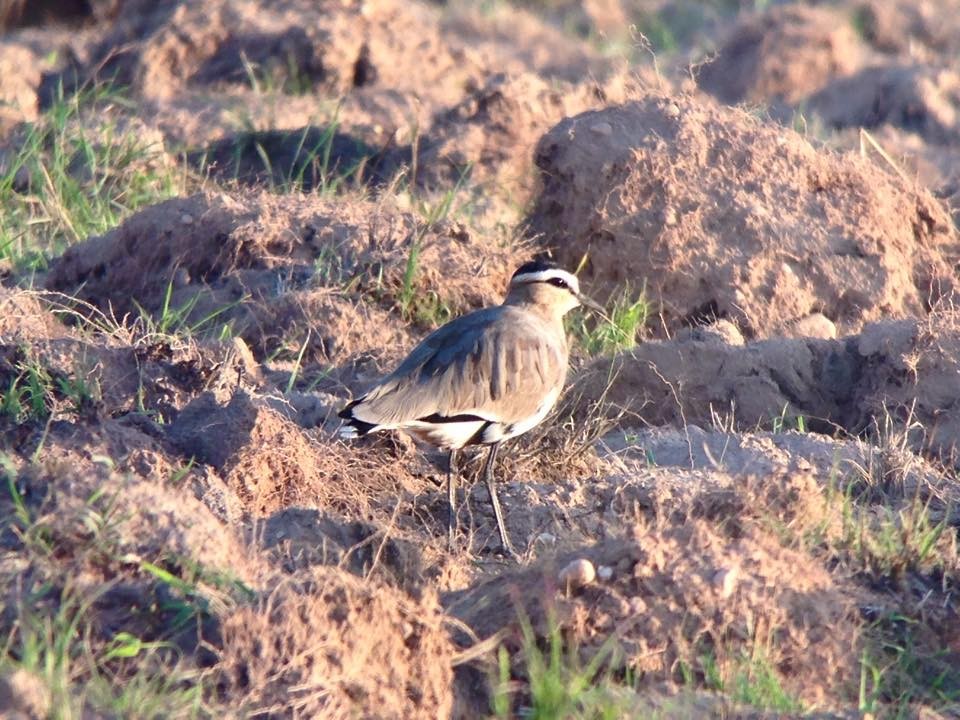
[{"x": 362, "y": 428}]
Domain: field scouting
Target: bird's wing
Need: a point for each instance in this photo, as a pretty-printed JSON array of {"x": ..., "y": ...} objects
[{"x": 496, "y": 364}]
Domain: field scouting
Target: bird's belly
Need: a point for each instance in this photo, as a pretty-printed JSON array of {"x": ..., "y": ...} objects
[
  {"x": 445, "y": 434},
  {"x": 499, "y": 432}
]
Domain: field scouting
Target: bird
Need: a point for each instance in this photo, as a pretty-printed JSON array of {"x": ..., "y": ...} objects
[{"x": 482, "y": 379}]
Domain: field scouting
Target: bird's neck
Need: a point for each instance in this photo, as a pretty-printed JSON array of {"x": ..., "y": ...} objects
[{"x": 549, "y": 315}]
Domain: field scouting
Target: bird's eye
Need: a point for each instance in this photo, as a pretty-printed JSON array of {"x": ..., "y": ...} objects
[{"x": 558, "y": 282}]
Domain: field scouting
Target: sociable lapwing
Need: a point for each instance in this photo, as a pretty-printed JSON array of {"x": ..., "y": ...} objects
[{"x": 481, "y": 379}]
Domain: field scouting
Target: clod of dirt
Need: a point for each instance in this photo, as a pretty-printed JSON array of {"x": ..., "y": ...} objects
[
  {"x": 331, "y": 645},
  {"x": 933, "y": 166},
  {"x": 722, "y": 216},
  {"x": 782, "y": 55},
  {"x": 914, "y": 383},
  {"x": 918, "y": 98},
  {"x": 19, "y": 80},
  {"x": 576, "y": 574},
  {"x": 273, "y": 267},
  {"x": 24, "y": 695},
  {"x": 689, "y": 381},
  {"x": 814, "y": 325},
  {"x": 664, "y": 604},
  {"x": 263, "y": 457},
  {"x": 140, "y": 518},
  {"x": 24, "y": 317}
]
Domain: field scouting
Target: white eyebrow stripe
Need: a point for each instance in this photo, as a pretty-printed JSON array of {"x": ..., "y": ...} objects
[{"x": 545, "y": 275}]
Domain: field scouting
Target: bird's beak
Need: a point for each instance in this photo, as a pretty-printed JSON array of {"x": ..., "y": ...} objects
[{"x": 588, "y": 303}]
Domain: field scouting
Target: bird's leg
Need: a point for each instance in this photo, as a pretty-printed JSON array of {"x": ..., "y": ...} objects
[
  {"x": 492, "y": 488},
  {"x": 452, "y": 498}
]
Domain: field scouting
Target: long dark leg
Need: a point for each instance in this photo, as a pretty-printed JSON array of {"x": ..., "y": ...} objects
[
  {"x": 492, "y": 488},
  {"x": 452, "y": 498}
]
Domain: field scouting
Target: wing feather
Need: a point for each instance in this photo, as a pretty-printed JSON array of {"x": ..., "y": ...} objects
[{"x": 479, "y": 364}]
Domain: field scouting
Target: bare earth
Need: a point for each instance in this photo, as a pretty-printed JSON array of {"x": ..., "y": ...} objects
[{"x": 762, "y": 472}]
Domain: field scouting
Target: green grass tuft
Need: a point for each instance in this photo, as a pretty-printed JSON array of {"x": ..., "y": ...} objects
[
  {"x": 619, "y": 331},
  {"x": 77, "y": 171}
]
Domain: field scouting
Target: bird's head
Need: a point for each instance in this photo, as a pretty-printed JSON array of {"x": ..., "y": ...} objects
[{"x": 548, "y": 287}]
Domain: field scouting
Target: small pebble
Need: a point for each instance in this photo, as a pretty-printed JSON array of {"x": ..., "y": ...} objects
[
  {"x": 186, "y": 219},
  {"x": 546, "y": 538},
  {"x": 577, "y": 574},
  {"x": 673, "y": 110},
  {"x": 605, "y": 573},
  {"x": 602, "y": 128},
  {"x": 725, "y": 580},
  {"x": 814, "y": 325}
]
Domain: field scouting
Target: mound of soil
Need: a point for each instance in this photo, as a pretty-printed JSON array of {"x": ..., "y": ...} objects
[
  {"x": 677, "y": 594},
  {"x": 106, "y": 524},
  {"x": 491, "y": 135},
  {"x": 298, "y": 537},
  {"x": 24, "y": 13},
  {"x": 516, "y": 40},
  {"x": 24, "y": 316},
  {"x": 96, "y": 377},
  {"x": 904, "y": 27},
  {"x": 312, "y": 639},
  {"x": 296, "y": 44},
  {"x": 918, "y": 98},
  {"x": 781, "y": 55},
  {"x": 271, "y": 463},
  {"x": 279, "y": 157},
  {"x": 331, "y": 645},
  {"x": 913, "y": 379},
  {"x": 904, "y": 370},
  {"x": 273, "y": 267},
  {"x": 19, "y": 80},
  {"x": 719, "y": 215}
]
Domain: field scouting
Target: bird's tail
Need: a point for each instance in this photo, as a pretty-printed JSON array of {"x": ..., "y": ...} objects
[{"x": 354, "y": 428}]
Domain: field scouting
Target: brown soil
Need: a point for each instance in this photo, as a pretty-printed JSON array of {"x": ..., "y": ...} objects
[
  {"x": 290, "y": 42},
  {"x": 20, "y": 13},
  {"x": 902, "y": 27},
  {"x": 918, "y": 98},
  {"x": 516, "y": 40},
  {"x": 767, "y": 493},
  {"x": 270, "y": 265},
  {"x": 781, "y": 55},
  {"x": 678, "y": 592},
  {"x": 330, "y": 644},
  {"x": 270, "y": 463},
  {"x": 903, "y": 371},
  {"x": 24, "y": 315},
  {"x": 490, "y": 136},
  {"x": 19, "y": 80},
  {"x": 685, "y": 198}
]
